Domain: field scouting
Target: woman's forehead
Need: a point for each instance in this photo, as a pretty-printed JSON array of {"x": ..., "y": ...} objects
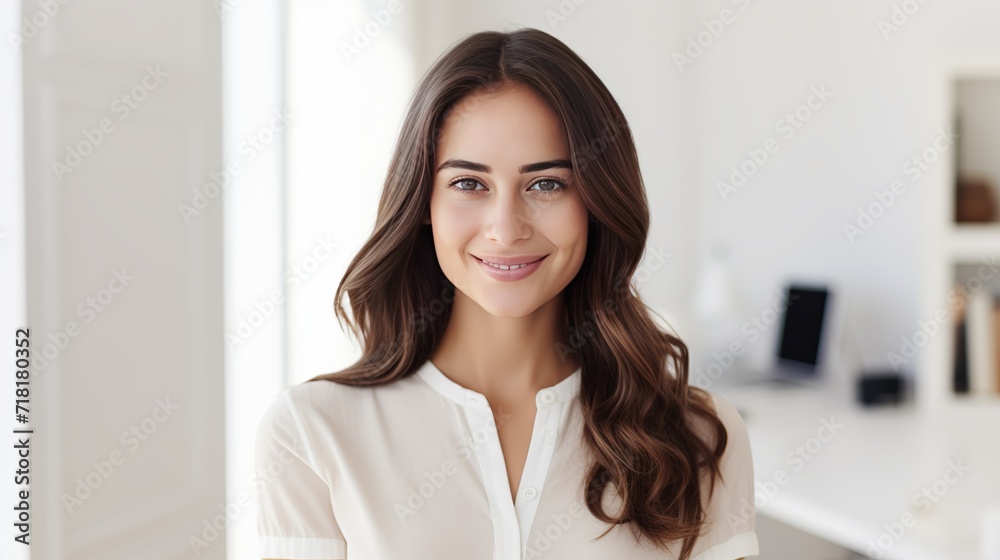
[{"x": 512, "y": 125}]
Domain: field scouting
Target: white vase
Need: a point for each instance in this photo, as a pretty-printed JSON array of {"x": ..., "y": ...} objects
[{"x": 717, "y": 314}]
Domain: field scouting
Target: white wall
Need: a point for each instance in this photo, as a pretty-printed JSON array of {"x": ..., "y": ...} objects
[
  {"x": 348, "y": 77},
  {"x": 253, "y": 136},
  {"x": 12, "y": 311},
  {"x": 787, "y": 221}
]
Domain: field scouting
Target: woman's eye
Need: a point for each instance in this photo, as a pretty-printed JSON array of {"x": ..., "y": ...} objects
[
  {"x": 545, "y": 186},
  {"x": 550, "y": 186},
  {"x": 467, "y": 182}
]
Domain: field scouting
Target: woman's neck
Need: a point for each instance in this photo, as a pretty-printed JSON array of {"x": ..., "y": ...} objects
[{"x": 507, "y": 357}]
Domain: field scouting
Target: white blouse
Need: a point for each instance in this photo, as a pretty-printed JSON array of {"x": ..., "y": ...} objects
[{"x": 413, "y": 470}]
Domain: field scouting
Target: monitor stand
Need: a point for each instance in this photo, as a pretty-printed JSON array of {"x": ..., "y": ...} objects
[{"x": 782, "y": 375}]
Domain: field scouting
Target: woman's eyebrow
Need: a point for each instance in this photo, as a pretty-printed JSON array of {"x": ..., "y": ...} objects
[{"x": 483, "y": 168}]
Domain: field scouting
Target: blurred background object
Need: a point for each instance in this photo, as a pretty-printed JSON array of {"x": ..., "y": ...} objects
[
  {"x": 977, "y": 186},
  {"x": 974, "y": 200}
]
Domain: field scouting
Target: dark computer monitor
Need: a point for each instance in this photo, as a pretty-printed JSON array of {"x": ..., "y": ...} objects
[{"x": 799, "y": 344}]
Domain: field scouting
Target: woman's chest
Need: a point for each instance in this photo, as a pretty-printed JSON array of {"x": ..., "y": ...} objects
[{"x": 442, "y": 487}]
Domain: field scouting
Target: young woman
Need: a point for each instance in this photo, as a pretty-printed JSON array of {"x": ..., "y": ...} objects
[{"x": 514, "y": 398}]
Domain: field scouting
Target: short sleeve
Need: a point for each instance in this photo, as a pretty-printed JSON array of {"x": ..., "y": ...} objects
[
  {"x": 731, "y": 533},
  {"x": 295, "y": 518}
]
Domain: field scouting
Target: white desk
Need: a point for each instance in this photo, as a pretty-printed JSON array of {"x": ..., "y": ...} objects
[{"x": 865, "y": 476}]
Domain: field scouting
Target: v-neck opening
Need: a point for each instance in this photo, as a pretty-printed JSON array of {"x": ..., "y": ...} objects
[
  {"x": 527, "y": 459},
  {"x": 511, "y": 513}
]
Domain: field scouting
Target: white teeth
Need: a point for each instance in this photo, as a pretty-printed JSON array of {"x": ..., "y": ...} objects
[{"x": 505, "y": 267}]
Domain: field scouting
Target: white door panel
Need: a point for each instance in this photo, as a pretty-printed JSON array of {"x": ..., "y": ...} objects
[{"x": 128, "y": 405}]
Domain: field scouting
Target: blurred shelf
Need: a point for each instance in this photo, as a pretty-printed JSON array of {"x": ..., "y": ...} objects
[
  {"x": 969, "y": 401},
  {"x": 972, "y": 242}
]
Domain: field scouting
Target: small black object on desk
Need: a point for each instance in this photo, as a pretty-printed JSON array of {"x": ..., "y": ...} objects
[{"x": 881, "y": 387}]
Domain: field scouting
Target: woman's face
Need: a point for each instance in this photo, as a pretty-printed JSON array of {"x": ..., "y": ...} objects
[{"x": 503, "y": 187}]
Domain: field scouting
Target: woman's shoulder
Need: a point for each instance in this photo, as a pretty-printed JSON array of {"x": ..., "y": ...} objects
[
  {"x": 321, "y": 394},
  {"x": 736, "y": 461},
  {"x": 729, "y": 416},
  {"x": 332, "y": 402},
  {"x": 730, "y": 506},
  {"x": 310, "y": 411}
]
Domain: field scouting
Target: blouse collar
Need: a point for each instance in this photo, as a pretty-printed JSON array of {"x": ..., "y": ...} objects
[{"x": 558, "y": 393}]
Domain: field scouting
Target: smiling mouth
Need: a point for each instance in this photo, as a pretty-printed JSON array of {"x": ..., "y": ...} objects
[{"x": 508, "y": 267}]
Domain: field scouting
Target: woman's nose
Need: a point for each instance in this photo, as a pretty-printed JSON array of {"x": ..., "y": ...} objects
[{"x": 511, "y": 217}]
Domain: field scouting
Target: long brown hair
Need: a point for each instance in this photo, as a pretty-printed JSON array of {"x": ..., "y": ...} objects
[{"x": 638, "y": 416}]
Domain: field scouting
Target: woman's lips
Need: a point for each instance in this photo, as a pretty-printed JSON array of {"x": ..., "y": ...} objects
[{"x": 512, "y": 274}]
